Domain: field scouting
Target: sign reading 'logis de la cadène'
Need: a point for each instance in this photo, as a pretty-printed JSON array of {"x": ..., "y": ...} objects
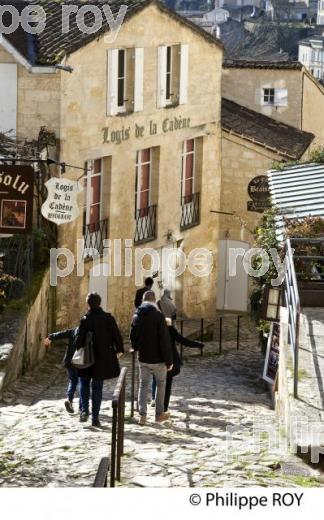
[
  {"x": 61, "y": 206},
  {"x": 139, "y": 131},
  {"x": 16, "y": 199}
]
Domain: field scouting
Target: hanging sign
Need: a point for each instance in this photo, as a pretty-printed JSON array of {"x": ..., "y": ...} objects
[
  {"x": 16, "y": 199},
  {"x": 259, "y": 192},
  {"x": 272, "y": 357},
  {"x": 61, "y": 206}
]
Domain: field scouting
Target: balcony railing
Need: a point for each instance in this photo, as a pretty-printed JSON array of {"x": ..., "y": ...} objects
[
  {"x": 94, "y": 236},
  {"x": 146, "y": 220},
  {"x": 190, "y": 206}
]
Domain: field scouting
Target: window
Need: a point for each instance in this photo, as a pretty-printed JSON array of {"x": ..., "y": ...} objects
[
  {"x": 143, "y": 182},
  {"x": 188, "y": 171},
  {"x": 125, "y": 81},
  {"x": 268, "y": 96},
  {"x": 173, "y": 69},
  {"x": 121, "y": 93},
  {"x": 93, "y": 196}
]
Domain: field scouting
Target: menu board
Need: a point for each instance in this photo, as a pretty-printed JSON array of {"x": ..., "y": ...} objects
[{"x": 272, "y": 356}]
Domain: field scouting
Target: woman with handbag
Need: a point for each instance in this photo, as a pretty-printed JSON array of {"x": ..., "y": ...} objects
[{"x": 108, "y": 346}]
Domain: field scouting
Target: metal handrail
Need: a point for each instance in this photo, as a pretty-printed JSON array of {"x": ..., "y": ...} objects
[
  {"x": 118, "y": 427},
  {"x": 292, "y": 301}
]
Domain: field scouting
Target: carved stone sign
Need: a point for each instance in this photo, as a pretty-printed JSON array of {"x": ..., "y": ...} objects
[
  {"x": 259, "y": 193},
  {"x": 16, "y": 199},
  {"x": 61, "y": 206}
]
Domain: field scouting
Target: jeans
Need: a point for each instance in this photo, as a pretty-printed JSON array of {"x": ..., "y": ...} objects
[
  {"x": 96, "y": 395},
  {"x": 168, "y": 388},
  {"x": 159, "y": 371},
  {"x": 73, "y": 383}
]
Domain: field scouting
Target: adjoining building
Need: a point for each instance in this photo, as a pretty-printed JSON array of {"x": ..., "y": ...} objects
[{"x": 285, "y": 91}]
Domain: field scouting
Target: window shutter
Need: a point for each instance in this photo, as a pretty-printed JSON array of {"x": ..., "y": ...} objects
[
  {"x": 184, "y": 72},
  {"x": 281, "y": 97},
  {"x": 112, "y": 93},
  {"x": 139, "y": 80},
  {"x": 8, "y": 97},
  {"x": 162, "y": 68}
]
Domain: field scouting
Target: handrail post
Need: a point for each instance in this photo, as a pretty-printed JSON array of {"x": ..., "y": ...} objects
[
  {"x": 202, "y": 335},
  {"x": 133, "y": 385},
  {"x": 220, "y": 335},
  {"x": 296, "y": 368},
  {"x": 238, "y": 333},
  {"x": 181, "y": 331},
  {"x": 113, "y": 446}
]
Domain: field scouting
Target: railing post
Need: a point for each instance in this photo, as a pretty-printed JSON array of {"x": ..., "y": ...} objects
[
  {"x": 119, "y": 436},
  {"x": 202, "y": 335},
  {"x": 238, "y": 333},
  {"x": 296, "y": 367},
  {"x": 113, "y": 446},
  {"x": 133, "y": 385},
  {"x": 181, "y": 331},
  {"x": 220, "y": 335}
]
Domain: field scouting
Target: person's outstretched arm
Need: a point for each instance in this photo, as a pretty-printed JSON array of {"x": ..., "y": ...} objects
[
  {"x": 186, "y": 342},
  {"x": 63, "y": 334}
]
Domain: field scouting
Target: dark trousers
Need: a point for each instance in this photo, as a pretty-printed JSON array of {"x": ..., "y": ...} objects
[
  {"x": 168, "y": 389},
  {"x": 96, "y": 395},
  {"x": 73, "y": 382}
]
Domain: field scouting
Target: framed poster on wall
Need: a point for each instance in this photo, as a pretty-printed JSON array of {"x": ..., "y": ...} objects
[
  {"x": 272, "y": 356},
  {"x": 16, "y": 199}
]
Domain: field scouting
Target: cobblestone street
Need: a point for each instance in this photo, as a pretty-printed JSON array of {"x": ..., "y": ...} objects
[{"x": 42, "y": 446}]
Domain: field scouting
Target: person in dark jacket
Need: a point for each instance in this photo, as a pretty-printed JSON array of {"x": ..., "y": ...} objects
[
  {"x": 108, "y": 346},
  {"x": 149, "y": 336},
  {"x": 140, "y": 293},
  {"x": 70, "y": 335},
  {"x": 175, "y": 337}
]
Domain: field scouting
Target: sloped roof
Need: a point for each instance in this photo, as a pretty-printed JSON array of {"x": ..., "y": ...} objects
[
  {"x": 52, "y": 44},
  {"x": 285, "y": 140},
  {"x": 262, "y": 64},
  {"x": 298, "y": 191}
]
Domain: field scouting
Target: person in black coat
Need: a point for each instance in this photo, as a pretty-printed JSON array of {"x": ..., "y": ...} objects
[
  {"x": 140, "y": 293},
  {"x": 108, "y": 346},
  {"x": 175, "y": 337},
  {"x": 149, "y": 336},
  {"x": 70, "y": 335}
]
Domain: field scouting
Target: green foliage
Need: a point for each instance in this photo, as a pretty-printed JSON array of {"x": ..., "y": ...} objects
[
  {"x": 317, "y": 155},
  {"x": 11, "y": 287}
]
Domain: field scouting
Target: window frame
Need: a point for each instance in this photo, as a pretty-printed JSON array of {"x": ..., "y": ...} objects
[
  {"x": 89, "y": 175},
  {"x": 138, "y": 190},
  {"x": 122, "y": 108},
  {"x": 269, "y": 96},
  {"x": 185, "y": 154},
  {"x": 169, "y": 74}
]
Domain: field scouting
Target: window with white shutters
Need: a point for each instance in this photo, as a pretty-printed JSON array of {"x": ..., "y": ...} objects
[
  {"x": 125, "y": 81},
  {"x": 143, "y": 181},
  {"x": 93, "y": 195},
  {"x": 173, "y": 68}
]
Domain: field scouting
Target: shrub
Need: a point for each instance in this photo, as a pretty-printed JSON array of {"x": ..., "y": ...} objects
[{"x": 11, "y": 287}]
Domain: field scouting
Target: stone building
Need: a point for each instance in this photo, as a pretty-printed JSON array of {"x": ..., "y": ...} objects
[
  {"x": 141, "y": 115},
  {"x": 285, "y": 91}
]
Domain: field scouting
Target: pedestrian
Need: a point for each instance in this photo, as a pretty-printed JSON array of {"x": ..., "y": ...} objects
[
  {"x": 175, "y": 337},
  {"x": 149, "y": 282},
  {"x": 70, "y": 335},
  {"x": 149, "y": 336},
  {"x": 167, "y": 306},
  {"x": 108, "y": 347}
]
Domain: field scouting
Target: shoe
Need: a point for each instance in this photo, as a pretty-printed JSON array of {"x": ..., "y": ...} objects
[
  {"x": 162, "y": 418},
  {"x": 142, "y": 420},
  {"x": 84, "y": 416},
  {"x": 96, "y": 423},
  {"x": 153, "y": 403},
  {"x": 69, "y": 407}
]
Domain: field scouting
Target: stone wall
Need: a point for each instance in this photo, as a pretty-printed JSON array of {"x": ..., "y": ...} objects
[
  {"x": 244, "y": 86},
  {"x": 38, "y": 101},
  {"x": 24, "y": 347},
  {"x": 313, "y": 109}
]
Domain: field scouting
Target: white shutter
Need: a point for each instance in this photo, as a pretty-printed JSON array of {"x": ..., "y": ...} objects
[
  {"x": 281, "y": 97},
  {"x": 112, "y": 83},
  {"x": 139, "y": 80},
  {"x": 184, "y": 72},
  {"x": 162, "y": 68},
  {"x": 8, "y": 97}
]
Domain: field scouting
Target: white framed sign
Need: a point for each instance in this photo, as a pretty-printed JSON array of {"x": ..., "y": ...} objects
[
  {"x": 61, "y": 206},
  {"x": 271, "y": 363}
]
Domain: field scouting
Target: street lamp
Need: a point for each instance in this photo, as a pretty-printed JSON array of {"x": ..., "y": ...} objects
[{"x": 270, "y": 310}]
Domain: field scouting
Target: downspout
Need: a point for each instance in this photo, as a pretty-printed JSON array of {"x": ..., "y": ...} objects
[{"x": 302, "y": 102}]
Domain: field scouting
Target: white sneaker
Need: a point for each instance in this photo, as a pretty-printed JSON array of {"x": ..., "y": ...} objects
[{"x": 153, "y": 403}]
